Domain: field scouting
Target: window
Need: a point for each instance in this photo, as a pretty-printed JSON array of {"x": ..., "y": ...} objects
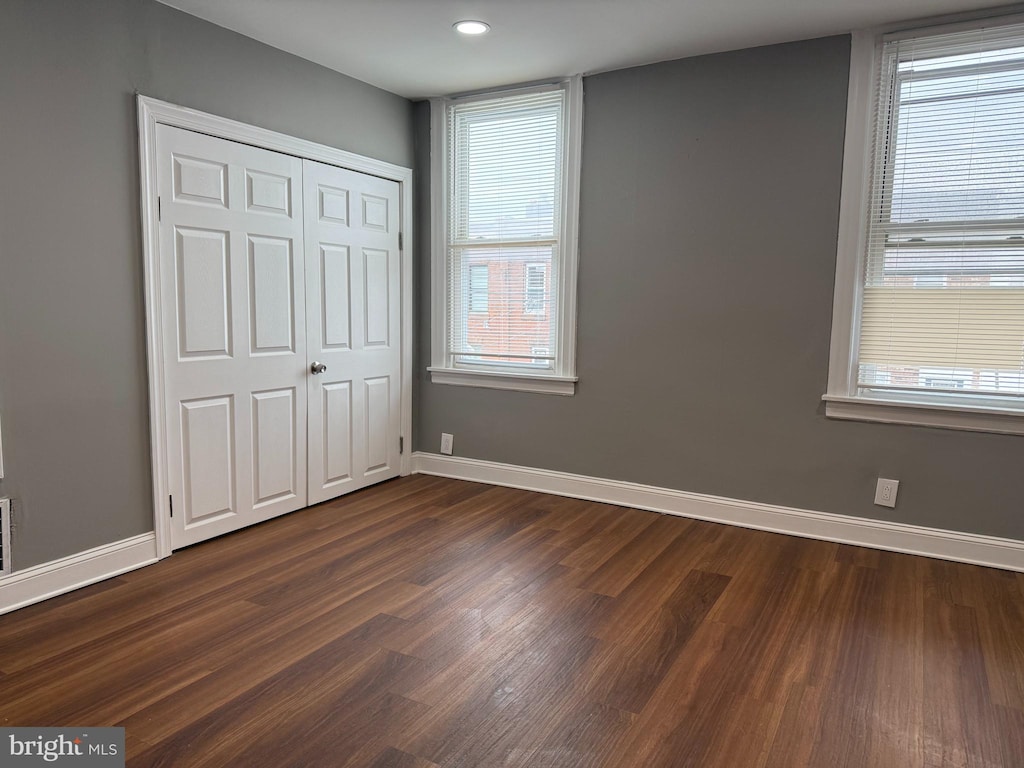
[
  {"x": 505, "y": 199},
  {"x": 535, "y": 301},
  {"x": 928, "y": 326},
  {"x": 478, "y": 288}
]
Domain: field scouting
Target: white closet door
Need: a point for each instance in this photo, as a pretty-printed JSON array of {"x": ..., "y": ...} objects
[
  {"x": 235, "y": 367},
  {"x": 353, "y": 310}
]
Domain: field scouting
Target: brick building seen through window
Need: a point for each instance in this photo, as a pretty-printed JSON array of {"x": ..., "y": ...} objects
[{"x": 510, "y": 307}]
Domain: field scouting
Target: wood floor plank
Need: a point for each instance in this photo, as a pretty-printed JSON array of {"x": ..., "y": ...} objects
[
  {"x": 100, "y": 671},
  {"x": 395, "y": 758},
  {"x": 239, "y": 560},
  {"x": 224, "y": 735},
  {"x": 469, "y": 585},
  {"x": 649, "y": 590},
  {"x": 628, "y": 683},
  {"x": 581, "y": 737},
  {"x": 1000, "y": 610},
  {"x": 434, "y": 623},
  {"x": 270, "y": 653},
  {"x": 595, "y": 550},
  {"x": 617, "y": 572},
  {"x": 686, "y": 711},
  {"x": 793, "y": 740},
  {"x": 578, "y": 521},
  {"x": 492, "y": 726},
  {"x": 852, "y": 678}
]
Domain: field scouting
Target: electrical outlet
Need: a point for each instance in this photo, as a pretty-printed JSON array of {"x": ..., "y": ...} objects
[
  {"x": 446, "y": 443},
  {"x": 885, "y": 492}
]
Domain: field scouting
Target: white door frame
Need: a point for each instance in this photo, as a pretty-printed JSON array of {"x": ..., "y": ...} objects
[{"x": 153, "y": 112}]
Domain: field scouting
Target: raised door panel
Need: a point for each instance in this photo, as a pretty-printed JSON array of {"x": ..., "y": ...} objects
[
  {"x": 337, "y": 444},
  {"x": 208, "y": 458},
  {"x": 203, "y": 293},
  {"x": 333, "y": 204},
  {"x": 375, "y": 212},
  {"x": 268, "y": 193},
  {"x": 274, "y": 427},
  {"x": 271, "y": 295},
  {"x": 376, "y": 298},
  {"x": 198, "y": 180},
  {"x": 335, "y": 297},
  {"x": 377, "y": 416}
]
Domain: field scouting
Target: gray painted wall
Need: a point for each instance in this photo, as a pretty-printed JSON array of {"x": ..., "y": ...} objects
[
  {"x": 710, "y": 200},
  {"x": 73, "y": 387}
]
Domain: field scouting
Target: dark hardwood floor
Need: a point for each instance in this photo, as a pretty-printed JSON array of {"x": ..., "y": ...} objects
[{"x": 430, "y": 622}]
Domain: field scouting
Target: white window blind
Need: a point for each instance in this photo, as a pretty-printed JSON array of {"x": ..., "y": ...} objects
[
  {"x": 505, "y": 181},
  {"x": 942, "y": 301}
]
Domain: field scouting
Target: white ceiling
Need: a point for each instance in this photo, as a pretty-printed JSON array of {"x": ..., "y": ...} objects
[{"x": 408, "y": 46}]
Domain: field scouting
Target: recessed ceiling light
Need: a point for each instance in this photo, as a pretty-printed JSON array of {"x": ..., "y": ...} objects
[{"x": 468, "y": 27}]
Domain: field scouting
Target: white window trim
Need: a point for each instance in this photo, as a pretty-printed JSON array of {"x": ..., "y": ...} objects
[
  {"x": 843, "y": 399},
  {"x": 562, "y": 381}
]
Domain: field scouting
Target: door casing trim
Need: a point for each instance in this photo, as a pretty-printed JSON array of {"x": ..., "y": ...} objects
[{"x": 153, "y": 112}]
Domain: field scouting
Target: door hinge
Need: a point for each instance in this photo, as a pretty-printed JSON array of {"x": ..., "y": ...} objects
[
  {"x": 400, "y": 241},
  {"x": 401, "y": 445},
  {"x": 159, "y": 209},
  {"x": 170, "y": 501}
]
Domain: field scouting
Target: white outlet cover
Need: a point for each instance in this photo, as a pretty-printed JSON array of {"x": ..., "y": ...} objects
[
  {"x": 447, "y": 442},
  {"x": 885, "y": 492}
]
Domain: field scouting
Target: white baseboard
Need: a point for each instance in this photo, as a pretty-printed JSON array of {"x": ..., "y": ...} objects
[
  {"x": 34, "y": 584},
  {"x": 897, "y": 537}
]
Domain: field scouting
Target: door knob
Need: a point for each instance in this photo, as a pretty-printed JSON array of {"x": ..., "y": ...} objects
[{"x": 317, "y": 367}]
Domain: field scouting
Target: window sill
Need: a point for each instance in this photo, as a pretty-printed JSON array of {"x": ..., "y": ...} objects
[
  {"x": 969, "y": 417},
  {"x": 522, "y": 382}
]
